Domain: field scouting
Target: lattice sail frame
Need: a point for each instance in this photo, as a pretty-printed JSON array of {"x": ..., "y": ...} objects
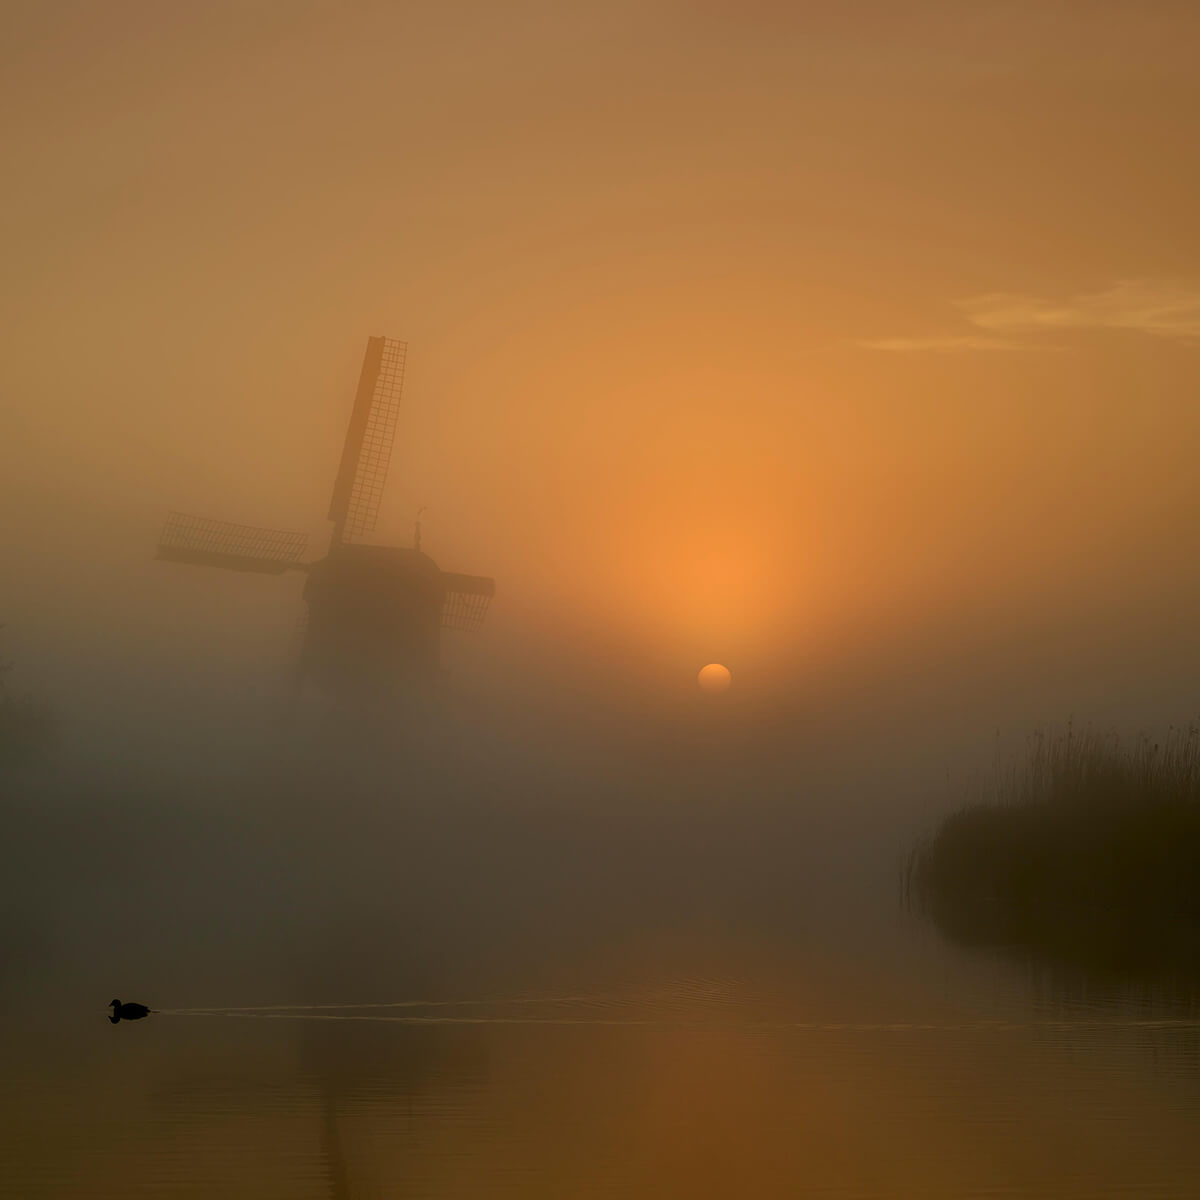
[
  {"x": 467, "y": 600},
  {"x": 367, "y": 453},
  {"x": 205, "y": 541}
]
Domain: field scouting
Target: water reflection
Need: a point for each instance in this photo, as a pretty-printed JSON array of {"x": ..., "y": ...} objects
[{"x": 919, "y": 1074}]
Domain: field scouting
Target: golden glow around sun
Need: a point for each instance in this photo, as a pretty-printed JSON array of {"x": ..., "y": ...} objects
[{"x": 714, "y": 677}]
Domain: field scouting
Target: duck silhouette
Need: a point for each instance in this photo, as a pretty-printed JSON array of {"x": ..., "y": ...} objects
[{"x": 131, "y": 1012}]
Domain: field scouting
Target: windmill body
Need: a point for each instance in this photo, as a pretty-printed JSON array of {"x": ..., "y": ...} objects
[
  {"x": 375, "y": 613},
  {"x": 374, "y": 617}
]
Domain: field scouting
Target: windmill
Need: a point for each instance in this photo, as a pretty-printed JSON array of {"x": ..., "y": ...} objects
[{"x": 375, "y": 613}]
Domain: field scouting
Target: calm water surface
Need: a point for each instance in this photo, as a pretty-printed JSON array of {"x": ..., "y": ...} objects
[
  {"x": 667, "y": 1001},
  {"x": 915, "y": 1070}
]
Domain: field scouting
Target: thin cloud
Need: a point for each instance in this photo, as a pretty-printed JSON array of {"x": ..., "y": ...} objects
[{"x": 1156, "y": 308}]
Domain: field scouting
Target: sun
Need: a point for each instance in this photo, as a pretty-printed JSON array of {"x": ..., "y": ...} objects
[{"x": 714, "y": 677}]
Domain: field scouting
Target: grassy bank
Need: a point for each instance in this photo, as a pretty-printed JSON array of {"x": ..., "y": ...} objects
[{"x": 1087, "y": 849}]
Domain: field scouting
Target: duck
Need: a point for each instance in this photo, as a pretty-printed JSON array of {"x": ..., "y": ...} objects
[{"x": 130, "y": 1011}]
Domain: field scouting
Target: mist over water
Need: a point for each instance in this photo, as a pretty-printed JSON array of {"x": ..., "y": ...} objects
[
  {"x": 577, "y": 937},
  {"x": 852, "y": 348},
  {"x": 596, "y": 931},
  {"x": 572, "y": 817}
]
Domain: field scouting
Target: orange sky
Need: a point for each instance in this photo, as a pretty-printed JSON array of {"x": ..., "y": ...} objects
[{"x": 756, "y": 332}]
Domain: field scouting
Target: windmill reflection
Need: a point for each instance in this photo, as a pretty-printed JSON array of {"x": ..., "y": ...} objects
[{"x": 361, "y": 1078}]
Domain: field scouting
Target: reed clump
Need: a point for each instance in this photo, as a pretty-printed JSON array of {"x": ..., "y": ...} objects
[{"x": 1088, "y": 847}]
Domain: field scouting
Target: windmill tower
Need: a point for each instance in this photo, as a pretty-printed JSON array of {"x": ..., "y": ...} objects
[{"x": 375, "y": 613}]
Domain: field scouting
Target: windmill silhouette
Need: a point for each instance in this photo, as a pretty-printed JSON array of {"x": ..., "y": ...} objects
[{"x": 375, "y": 613}]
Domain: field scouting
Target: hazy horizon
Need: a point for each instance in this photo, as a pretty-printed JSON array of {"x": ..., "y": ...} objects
[{"x": 857, "y": 351}]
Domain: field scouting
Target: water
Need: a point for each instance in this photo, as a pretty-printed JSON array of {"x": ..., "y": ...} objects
[
  {"x": 687, "y": 1004},
  {"x": 923, "y": 1072}
]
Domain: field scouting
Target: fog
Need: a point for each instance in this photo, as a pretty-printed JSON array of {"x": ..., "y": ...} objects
[{"x": 712, "y": 357}]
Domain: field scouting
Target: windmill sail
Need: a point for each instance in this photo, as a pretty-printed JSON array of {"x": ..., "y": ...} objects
[
  {"x": 375, "y": 614},
  {"x": 467, "y": 600},
  {"x": 206, "y": 542},
  {"x": 367, "y": 452}
]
